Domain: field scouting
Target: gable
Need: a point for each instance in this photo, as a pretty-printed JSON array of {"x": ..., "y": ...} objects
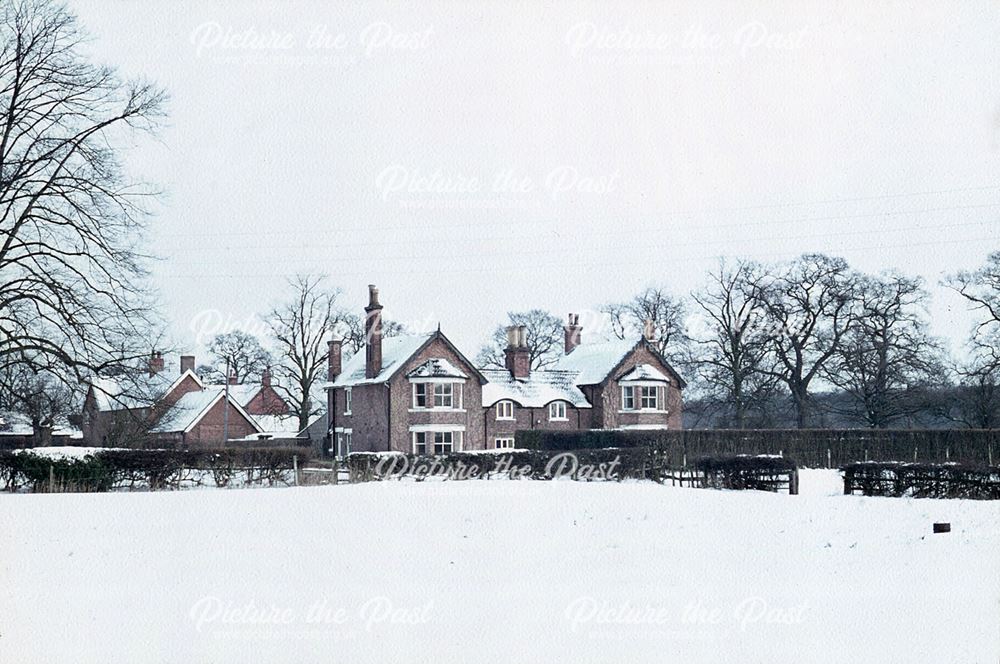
[{"x": 643, "y": 353}]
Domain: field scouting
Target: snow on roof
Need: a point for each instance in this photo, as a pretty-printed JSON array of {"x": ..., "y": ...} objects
[
  {"x": 186, "y": 412},
  {"x": 395, "y": 352},
  {"x": 135, "y": 390},
  {"x": 593, "y": 362},
  {"x": 437, "y": 367},
  {"x": 539, "y": 389},
  {"x": 19, "y": 424},
  {"x": 244, "y": 394},
  {"x": 645, "y": 372}
]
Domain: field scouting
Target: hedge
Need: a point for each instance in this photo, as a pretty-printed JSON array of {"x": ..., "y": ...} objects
[
  {"x": 922, "y": 480},
  {"x": 811, "y": 448},
  {"x": 148, "y": 469}
]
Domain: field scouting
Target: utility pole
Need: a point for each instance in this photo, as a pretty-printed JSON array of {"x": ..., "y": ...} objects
[{"x": 225, "y": 410}]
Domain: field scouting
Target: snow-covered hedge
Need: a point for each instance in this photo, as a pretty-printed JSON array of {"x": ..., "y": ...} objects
[
  {"x": 112, "y": 469},
  {"x": 921, "y": 480},
  {"x": 810, "y": 448}
]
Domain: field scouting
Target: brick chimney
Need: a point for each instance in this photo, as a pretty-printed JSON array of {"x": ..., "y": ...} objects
[
  {"x": 516, "y": 354},
  {"x": 187, "y": 363},
  {"x": 333, "y": 360},
  {"x": 373, "y": 334},
  {"x": 572, "y": 330},
  {"x": 648, "y": 330},
  {"x": 265, "y": 377},
  {"x": 232, "y": 379},
  {"x": 155, "y": 363}
]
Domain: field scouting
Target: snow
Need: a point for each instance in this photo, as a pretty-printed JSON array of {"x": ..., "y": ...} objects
[
  {"x": 536, "y": 391},
  {"x": 188, "y": 409},
  {"x": 497, "y": 571},
  {"x": 66, "y": 451},
  {"x": 437, "y": 367},
  {"x": 395, "y": 352},
  {"x": 644, "y": 372},
  {"x": 594, "y": 361}
]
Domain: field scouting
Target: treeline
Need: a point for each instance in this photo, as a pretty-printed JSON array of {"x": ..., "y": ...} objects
[{"x": 808, "y": 343}]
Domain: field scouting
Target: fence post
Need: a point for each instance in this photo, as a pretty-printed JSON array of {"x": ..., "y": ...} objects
[
  {"x": 295, "y": 469},
  {"x": 914, "y": 453},
  {"x": 828, "y": 464},
  {"x": 52, "y": 478}
]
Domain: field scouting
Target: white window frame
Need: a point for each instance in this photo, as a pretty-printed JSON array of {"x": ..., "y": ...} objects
[
  {"x": 447, "y": 394},
  {"x": 419, "y": 387},
  {"x": 505, "y": 410},
  {"x": 628, "y": 395},
  {"x": 643, "y": 389},
  {"x": 503, "y": 443},
  {"x": 554, "y": 409},
  {"x": 417, "y": 435},
  {"x": 347, "y": 401},
  {"x": 345, "y": 439}
]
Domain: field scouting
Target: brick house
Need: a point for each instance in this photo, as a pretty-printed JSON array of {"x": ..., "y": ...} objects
[
  {"x": 405, "y": 393},
  {"x": 418, "y": 393},
  {"x": 161, "y": 407}
]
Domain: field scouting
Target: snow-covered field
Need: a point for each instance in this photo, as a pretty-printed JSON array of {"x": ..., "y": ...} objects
[{"x": 497, "y": 571}]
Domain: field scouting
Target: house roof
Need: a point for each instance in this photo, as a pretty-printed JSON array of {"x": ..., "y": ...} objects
[
  {"x": 192, "y": 406},
  {"x": 396, "y": 351},
  {"x": 243, "y": 394},
  {"x": 536, "y": 391},
  {"x": 437, "y": 367},
  {"x": 593, "y": 362},
  {"x": 645, "y": 372},
  {"x": 138, "y": 390}
]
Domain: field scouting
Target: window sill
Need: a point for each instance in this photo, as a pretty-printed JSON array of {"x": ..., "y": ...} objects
[
  {"x": 558, "y": 419},
  {"x": 640, "y": 411},
  {"x": 506, "y": 419},
  {"x": 436, "y": 410}
]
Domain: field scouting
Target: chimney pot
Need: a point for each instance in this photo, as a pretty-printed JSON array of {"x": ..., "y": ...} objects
[
  {"x": 265, "y": 377},
  {"x": 373, "y": 334},
  {"x": 572, "y": 330},
  {"x": 517, "y": 356},
  {"x": 155, "y": 363},
  {"x": 334, "y": 358}
]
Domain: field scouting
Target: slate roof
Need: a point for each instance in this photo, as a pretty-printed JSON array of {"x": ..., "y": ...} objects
[
  {"x": 593, "y": 362},
  {"x": 191, "y": 407},
  {"x": 138, "y": 390},
  {"x": 395, "y": 352},
  {"x": 536, "y": 391},
  {"x": 437, "y": 367}
]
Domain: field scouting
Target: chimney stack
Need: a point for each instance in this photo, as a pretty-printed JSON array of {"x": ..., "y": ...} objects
[
  {"x": 572, "y": 330},
  {"x": 265, "y": 377},
  {"x": 648, "y": 330},
  {"x": 517, "y": 354},
  {"x": 373, "y": 334},
  {"x": 155, "y": 363},
  {"x": 333, "y": 360},
  {"x": 232, "y": 379},
  {"x": 187, "y": 363}
]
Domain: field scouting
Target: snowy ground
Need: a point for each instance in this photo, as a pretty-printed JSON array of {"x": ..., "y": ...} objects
[{"x": 497, "y": 571}]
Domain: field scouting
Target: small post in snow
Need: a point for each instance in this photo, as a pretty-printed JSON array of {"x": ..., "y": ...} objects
[
  {"x": 828, "y": 457},
  {"x": 52, "y": 478},
  {"x": 295, "y": 469}
]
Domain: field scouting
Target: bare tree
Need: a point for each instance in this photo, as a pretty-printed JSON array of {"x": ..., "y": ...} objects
[
  {"x": 246, "y": 357},
  {"x": 982, "y": 290},
  {"x": 73, "y": 288},
  {"x": 975, "y": 401},
  {"x": 544, "y": 332},
  {"x": 735, "y": 362},
  {"x": 42, "y": 396},
  {"x": 887, "y": 355},
  {"x": 667, "y": 314},
  {"x": 351, "y": 328},
  {"x": 808, "y": 304},
  {"x": 301, "y": 328}
]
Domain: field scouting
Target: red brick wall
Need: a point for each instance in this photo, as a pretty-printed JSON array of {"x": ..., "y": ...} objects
[
  {"x": 267, "y": 402},
  {"x": 607, "y": 397},
  {"x": 208, "y": 431}
]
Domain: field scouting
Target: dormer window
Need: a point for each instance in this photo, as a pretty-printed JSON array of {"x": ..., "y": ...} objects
[
  {"x": 557, "y": 411},
  {"x": 505, "y": 410}
]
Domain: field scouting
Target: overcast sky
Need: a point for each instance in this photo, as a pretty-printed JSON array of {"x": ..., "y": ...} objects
[{"x": 474, "y": 158}]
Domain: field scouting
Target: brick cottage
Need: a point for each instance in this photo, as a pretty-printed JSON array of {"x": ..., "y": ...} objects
[{"x": 420, "y": 394}]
